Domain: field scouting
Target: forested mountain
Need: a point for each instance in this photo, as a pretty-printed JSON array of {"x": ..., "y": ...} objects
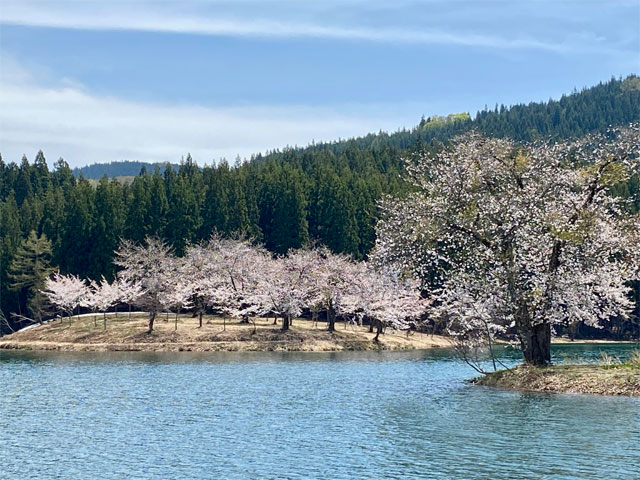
[
  {"x": 612, "y": 103},
  {"x": 615, "y": 102},
  {"x": 124, "y": 168},
  {"x": 324, "y": 193}
]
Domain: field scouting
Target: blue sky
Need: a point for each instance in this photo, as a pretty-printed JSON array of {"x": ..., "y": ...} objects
[{"x": 101, "y": 81}]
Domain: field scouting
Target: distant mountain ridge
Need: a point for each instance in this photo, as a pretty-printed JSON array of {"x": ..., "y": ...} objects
[{"x": 122, "y": 168}]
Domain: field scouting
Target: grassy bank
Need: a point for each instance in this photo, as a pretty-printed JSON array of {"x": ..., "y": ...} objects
[
  {"x": 604, "y": 379},
  {"x": 589, "y": 341},
  {"x": 216, "y": 334}
]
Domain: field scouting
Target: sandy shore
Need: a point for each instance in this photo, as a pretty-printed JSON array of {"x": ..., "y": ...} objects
[{"x": 123, "y": 334}]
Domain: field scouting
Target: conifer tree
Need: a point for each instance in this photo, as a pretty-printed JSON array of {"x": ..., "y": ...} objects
[
  {"x": 283, "y": 210},
  {"x": 136, "y": 228},
  {"x": 63, "y": 176},
  {"x": 52, "y": 221},
  {"x": 158, "y": 205},
  {"x": 28, "y": 271},
  {"x": 108, "y": 228},
  {"x": 215, "y": 212},
  {"x": 238, "y": 219},
  {"x": 10, "y": 239},
  {"x": 183, "y": 220},
  {"x": 23, "y": 188},
  {"x": 77, "y": 244},
  {"x": 40, "y": 179}
]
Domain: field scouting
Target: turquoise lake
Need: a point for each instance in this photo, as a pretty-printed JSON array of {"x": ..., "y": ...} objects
[{"x": 360, "y": 415}]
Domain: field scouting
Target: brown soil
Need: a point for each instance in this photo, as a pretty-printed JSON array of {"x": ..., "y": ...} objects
[
  {"x": 616, "y": 379},
  {"x": 124, "y": 334}
]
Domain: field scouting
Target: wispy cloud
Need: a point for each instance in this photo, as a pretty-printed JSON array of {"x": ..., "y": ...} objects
[
  {"x": 158, "y": 18},
  {"x": 84, "y": 128}
]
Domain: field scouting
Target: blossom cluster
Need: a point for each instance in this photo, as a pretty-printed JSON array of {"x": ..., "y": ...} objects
[{"x": 236, "y": 278}]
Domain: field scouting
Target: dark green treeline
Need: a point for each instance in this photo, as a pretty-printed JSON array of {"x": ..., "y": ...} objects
[
  {"x": 282, "y": 203},
  {"x": 324, "y": 193}
]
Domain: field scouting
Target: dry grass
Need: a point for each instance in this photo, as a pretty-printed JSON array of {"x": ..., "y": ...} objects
[
  {"x": 123, "y": 334},
  {"x": 609, "y": 378}
]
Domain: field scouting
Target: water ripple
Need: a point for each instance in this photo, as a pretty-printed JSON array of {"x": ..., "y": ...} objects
[{"x": 298, "y": 416}]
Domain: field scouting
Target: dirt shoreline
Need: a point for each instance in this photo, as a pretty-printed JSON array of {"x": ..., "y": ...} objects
[{"x": 87, "y": 333}]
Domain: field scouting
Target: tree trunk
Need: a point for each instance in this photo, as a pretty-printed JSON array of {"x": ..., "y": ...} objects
[
  {"x": 152, "y": 317},
  {"x": 200, "y": 319},
  {"x": 573, "y": 330},
  {"x": 104, "y": 319},
  {"x": 331, "y": 319},
  {"x": 129, "y": 311},
  {"x": 378, "y": 330},
  {"x": 175, "y": 325},
  {"x": 536, "y": 344},
  {"x": 286, "y": 320},
  {"x": 275, "y": 319}
]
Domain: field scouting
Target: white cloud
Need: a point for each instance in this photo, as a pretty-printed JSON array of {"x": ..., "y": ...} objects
[
  {"x": 85, "y": 128},
  {"x": 172, "y": 17}
]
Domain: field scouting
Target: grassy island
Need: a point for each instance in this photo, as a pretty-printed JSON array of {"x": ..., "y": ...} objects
[
  {"x": 87, "y": 333},
  {"x": 611, "y": 378}
]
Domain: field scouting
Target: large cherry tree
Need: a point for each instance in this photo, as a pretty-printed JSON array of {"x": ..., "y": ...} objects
[{"x": 520, "y": 236}]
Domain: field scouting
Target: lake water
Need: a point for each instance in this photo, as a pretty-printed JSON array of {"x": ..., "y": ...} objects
[{"x": 361, "y": 415}]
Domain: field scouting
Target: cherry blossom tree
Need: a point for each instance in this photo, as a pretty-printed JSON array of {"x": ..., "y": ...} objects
[
  {"x": 101, "y": 296},
  {"x": 385, "y": 298},
  {"x": 65, "y": 291},
  {"x": 288, "y": 284},
  {"x": 522, "y": 236},
  {"x": 201, "y": 271},
  {"x": 242, "y": 267},
  {"x": 334, "y": 279},
  {"x": 178, "y": 295},
  {"x": 149, "y": 265},
  {"x": 130, "y": 292}
]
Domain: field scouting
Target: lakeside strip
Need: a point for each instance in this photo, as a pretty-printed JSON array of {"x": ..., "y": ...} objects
[{"x": 86, "y": 333}]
